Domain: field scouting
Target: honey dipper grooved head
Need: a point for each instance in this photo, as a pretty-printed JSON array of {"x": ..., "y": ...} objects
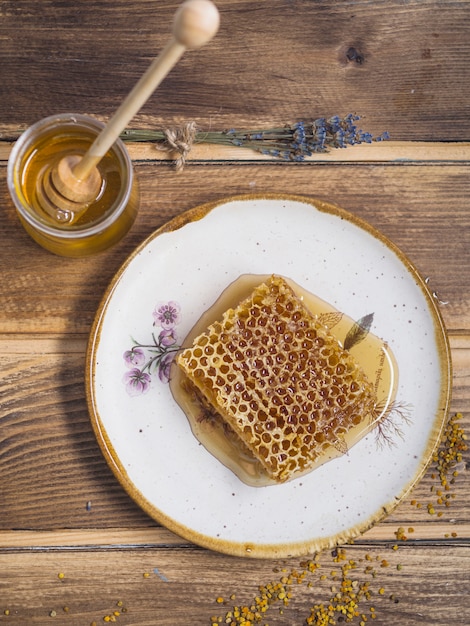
[
  {"x": 71, "y": 187},
  {"x": 62, "y": 195}
]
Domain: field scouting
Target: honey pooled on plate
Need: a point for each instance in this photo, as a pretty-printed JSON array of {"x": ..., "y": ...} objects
[{"x": 271, "y": 391}]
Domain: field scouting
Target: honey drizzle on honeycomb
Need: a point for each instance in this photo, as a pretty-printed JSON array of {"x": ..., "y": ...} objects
[{"x": 279, "y": 380}]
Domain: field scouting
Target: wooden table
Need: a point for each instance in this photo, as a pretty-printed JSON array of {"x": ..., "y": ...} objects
[{"x": 74, "y": 548}]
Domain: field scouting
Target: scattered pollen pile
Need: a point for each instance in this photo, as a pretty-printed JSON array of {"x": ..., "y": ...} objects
[
  {"x": 446, "y": 462},
  {"x": 347, "y": 582}
]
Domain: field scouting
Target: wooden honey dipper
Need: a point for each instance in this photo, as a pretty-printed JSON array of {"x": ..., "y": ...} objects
[{"x": 69, "y": 186}]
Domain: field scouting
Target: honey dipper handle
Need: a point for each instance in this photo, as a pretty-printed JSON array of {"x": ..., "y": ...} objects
[{"x": 194, "y": 24}]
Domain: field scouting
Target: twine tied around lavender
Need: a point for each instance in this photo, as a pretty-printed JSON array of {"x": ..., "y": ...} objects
[
  {"x": 291, "y": 142},
  {"x": 179, "y": 140}
]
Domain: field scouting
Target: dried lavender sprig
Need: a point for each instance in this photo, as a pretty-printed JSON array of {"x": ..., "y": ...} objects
[{"x": 291, "y": 142}]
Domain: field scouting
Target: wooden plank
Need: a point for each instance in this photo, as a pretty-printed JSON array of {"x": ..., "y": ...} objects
[
  {"x": 404, "y": 69},
  {"x": 406, "y": 152},
  {"x": 113, "y": 538},
  {"x": 174, "y": 587},
  {"x": 54, "y": 475},
  {"x": 47, "y": 344},
  {"x": 409, "y": 205},
  {"x": 380, "y": 152},
  {"x": 157, "y": 537}
]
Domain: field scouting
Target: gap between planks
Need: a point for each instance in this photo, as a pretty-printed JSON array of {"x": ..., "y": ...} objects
[
  {"x": 144, "y": 538},
  {"x": 395, "y": 152}
]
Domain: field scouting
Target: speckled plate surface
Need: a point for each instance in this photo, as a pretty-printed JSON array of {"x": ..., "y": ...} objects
[{"x": 153, "y": 302}]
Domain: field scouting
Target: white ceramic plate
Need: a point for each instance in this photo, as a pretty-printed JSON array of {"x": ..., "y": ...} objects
[{"x": 145, "y": 436}]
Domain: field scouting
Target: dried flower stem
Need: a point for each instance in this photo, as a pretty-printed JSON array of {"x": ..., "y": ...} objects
[{"x": 290, "y": 142}]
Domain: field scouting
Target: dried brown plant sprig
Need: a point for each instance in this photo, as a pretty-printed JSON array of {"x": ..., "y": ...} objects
[{"x": 390, "y": 425}]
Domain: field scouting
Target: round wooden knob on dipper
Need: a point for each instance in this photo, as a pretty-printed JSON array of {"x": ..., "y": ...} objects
[{"x": 68, "y": 187}]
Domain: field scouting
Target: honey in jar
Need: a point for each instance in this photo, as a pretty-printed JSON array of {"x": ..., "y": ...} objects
[{"x": 106, "y": 219}]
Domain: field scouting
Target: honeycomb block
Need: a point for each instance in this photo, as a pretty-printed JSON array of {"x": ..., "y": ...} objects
[{"x": 279, "y": 379}]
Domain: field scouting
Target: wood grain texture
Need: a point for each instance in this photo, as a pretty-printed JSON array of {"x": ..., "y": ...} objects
[
  {"x": 395, "y": 152},
  {"x": 53, "y": 474},
  {"x": 56, "y": 490},
  {"x": 401, "y": 65},
  {"x": 181, "y": 586},
  {"x": 155, "y": 537},
  {"x": 409, "y": 205}
]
